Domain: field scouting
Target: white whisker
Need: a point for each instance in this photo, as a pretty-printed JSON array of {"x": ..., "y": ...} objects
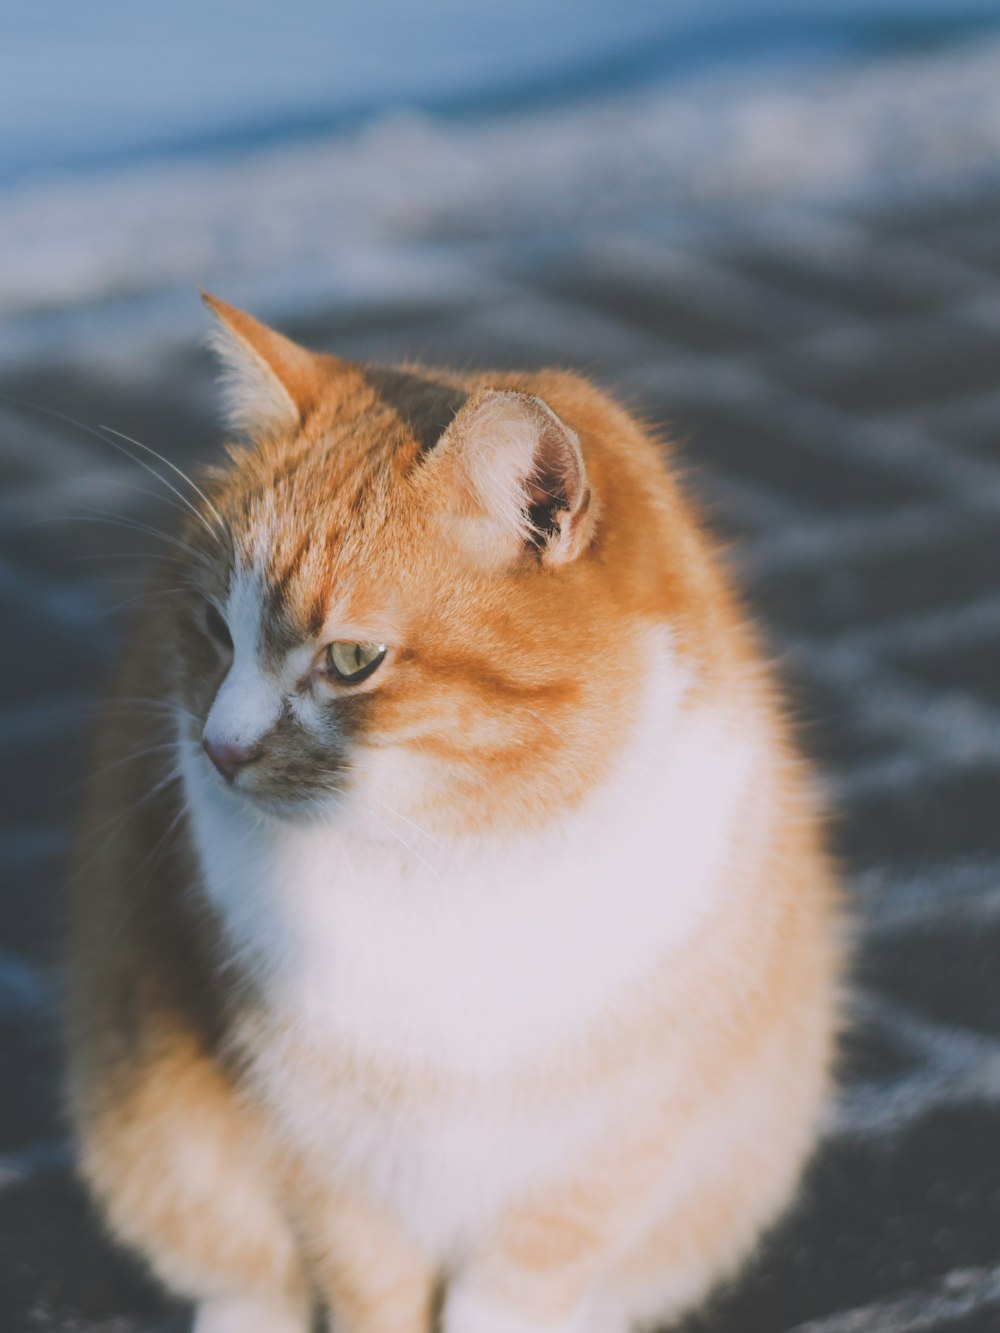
[
  {"x": 181, "y": 473},
  {"x": 134, "y": 525},
  {"x": 98, "y": 433}
]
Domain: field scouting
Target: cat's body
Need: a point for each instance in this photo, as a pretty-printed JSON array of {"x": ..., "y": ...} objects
[{"x": 528, "y": 999}]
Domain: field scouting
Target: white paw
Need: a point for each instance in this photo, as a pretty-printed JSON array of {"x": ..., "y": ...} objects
[
  {"x": 467, "y": 1313},
  {"x": 234, "y": 1315}
]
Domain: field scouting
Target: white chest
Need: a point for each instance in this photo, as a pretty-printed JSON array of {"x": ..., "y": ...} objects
[
  {"x": 477, "y": 959},
  {"x": 469, "y": 963}
]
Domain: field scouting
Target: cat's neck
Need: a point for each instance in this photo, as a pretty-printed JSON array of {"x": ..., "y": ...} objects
[{"x": 393, "y": 936}]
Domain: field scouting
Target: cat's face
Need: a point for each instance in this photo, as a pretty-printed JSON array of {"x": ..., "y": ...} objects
[{"x": 403, "y": 600}]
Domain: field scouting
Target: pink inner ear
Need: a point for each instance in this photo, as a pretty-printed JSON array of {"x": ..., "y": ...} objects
[
  {"x": 556, "y": 490},
  {"x": 556, "y": 475},
  {"x": 508, "y": 459}
]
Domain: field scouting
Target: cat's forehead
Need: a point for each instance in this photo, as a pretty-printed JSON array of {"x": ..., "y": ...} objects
[
  {"x": 297, "y": 575},
  {"x": 322, "y": 527},
  {"x": 312, "y": 551}
]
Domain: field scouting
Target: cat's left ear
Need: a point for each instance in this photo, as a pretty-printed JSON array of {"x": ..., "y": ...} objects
[
  {"x": 511, "y": 475},
  {"x": 270, "y": 382}
]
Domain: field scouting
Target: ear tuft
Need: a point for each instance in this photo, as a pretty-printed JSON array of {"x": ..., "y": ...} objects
[
  {"x": 269, "y": 383},
  {"x": 515, "y": 472}
]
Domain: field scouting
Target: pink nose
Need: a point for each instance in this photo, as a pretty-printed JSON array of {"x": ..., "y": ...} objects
[{"x": 229, "y": 759}]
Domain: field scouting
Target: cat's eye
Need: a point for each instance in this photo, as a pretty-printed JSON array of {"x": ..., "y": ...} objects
[
  {"x": 217, "y": 627},
  {"x": 350, "y": 663}
]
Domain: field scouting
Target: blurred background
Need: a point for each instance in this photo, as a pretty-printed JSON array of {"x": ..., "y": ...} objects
[{"x": 773, "y": 227}]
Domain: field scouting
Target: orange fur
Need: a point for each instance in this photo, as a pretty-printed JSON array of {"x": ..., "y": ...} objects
[{"x": 509, "y": 678}]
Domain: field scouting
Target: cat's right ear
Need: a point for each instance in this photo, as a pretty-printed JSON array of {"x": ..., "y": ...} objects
[
  {"x": 510, "y": 476},
  {"x": 270, "y": 383}
]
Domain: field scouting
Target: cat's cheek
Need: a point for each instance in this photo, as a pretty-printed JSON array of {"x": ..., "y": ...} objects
[
  {"x": 312, "y": 713},
  {"x": 316, "y": 733},
  {"x": 405, "y": 781}
]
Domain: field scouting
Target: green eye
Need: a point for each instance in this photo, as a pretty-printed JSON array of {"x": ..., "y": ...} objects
[{"x": 351, "y": 662}]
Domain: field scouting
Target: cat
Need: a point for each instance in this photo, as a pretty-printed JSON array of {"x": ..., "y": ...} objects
[{"x": 452, "y": 938}]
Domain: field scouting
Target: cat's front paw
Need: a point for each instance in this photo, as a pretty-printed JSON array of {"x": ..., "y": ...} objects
[
  {"x": 466, "y": 1312},
  {"x": 249, "y": 1315}
]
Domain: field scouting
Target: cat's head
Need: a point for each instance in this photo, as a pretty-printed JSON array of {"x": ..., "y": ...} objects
[{"x": 425, "y": 592}]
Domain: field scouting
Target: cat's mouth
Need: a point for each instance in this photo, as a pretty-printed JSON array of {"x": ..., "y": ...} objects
[{"x": 282, "y": 793}]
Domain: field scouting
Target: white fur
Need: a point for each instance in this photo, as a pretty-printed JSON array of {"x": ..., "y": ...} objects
[
  {"x": 465, "y": 1312},
  {"x": 498, "y": 453},
  {"x": 252, "y": 1315},
  {"x": 253, "y": 398},
  {"x": 473, "y": 960},
  {"x": 248, "y": 702},
  {"x": 495, "y": 442}
]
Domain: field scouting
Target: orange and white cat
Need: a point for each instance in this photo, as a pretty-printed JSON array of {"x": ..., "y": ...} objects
[{"x": 452, "y": 938}]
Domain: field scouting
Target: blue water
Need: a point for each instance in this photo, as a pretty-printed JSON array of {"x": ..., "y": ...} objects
[{"x": 90, "y": 85}]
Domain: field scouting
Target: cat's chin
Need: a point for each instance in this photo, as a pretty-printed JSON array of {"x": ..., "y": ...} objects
[{"x": 320, "y": 807}]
